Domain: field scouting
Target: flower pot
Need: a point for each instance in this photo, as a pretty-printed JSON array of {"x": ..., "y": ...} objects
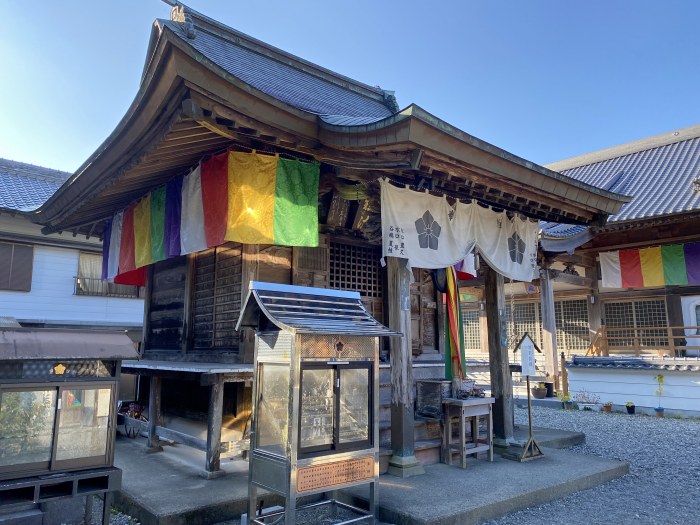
[
  {"x": 538, "y": 393},
  {"x": 607, "y": 408},
  {"x": 659, "y": 412},
  {"x": 630, "y": 410}
]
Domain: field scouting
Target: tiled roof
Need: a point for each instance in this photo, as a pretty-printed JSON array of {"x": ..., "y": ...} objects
[
  {"x": 25, "y": 187},
  {"x": 636, "y": 363},
  {"x": 660, "y": 178},
  {"x": 554, "y": 229},
  {"x": 292, "y": 85}
]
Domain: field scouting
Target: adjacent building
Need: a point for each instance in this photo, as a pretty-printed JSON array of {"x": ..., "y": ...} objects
[{"x": 53, "y": 280}]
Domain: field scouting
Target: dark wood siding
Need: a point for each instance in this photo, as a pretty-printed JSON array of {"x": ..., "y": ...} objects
[
  {"x": 216, "y": 297},
  {"x": 167, "y": 305}
]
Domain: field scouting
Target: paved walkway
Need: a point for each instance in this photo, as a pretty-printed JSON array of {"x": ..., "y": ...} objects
[{"x": 165, "y": 488}]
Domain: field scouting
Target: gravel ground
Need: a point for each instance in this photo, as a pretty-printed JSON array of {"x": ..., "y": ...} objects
[{"x": 663, "y": 486}]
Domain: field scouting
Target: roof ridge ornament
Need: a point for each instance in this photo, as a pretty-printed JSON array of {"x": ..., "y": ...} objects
[{"x": 179, "y": 14}]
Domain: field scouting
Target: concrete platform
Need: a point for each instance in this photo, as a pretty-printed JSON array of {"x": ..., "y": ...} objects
[{"x": 166, "y": 488}]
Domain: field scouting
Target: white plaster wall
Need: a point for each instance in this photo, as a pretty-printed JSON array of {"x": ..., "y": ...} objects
[
  {"x": 681, "y": 389},
  {"x": 51, "y": 298}
]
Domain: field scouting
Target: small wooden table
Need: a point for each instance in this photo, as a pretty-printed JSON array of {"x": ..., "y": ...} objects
[{"x": 467, "y": 412}]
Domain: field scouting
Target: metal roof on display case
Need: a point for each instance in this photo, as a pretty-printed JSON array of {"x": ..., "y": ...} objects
[
  {"x": 306, "y": 310},
  {"x": 47, "y": 343}
]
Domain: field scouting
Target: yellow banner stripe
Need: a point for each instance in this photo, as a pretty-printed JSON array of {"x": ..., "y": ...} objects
[
  {"x": 652, "y": 266},
  {"x": 251, "y": 183}
]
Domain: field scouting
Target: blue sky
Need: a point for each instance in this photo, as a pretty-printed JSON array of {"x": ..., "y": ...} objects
[{"x": 545, "y": 80}]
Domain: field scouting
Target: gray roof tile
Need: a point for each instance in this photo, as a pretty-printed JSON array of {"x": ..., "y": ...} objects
[
  {"x": 639, "y": 363},
  {"x": 25, "y": 187},
  {"x": 289, "y": 84},
  {"x": 660, "y": 179}
]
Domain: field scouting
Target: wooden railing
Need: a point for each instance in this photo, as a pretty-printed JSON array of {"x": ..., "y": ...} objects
[
  {"x": 97, "y": 287},
  {"x": 647, "y": 340}
]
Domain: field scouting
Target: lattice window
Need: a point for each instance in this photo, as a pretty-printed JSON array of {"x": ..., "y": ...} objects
[
  {"x": 216, "y": 301},
  {"x": 356, "y": 268},
  {"x": 472, "y": 331},
  {"x": 636, "y": 314},
  {"x": 572, "y": 325},
  {"x": 527, "y": 319}
]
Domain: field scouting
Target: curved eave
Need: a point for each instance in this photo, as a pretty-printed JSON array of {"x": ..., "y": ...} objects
[
  {"x": 174, "y": 69},
  {"x": 445, "y": 139}
]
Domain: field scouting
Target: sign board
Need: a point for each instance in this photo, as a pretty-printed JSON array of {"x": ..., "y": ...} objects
[{"x": 527, "y": 356}]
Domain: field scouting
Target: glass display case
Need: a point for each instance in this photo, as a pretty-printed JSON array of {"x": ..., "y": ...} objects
[
  {"x": 314, "y": 424},
  {"x": 57, "y": 409}
]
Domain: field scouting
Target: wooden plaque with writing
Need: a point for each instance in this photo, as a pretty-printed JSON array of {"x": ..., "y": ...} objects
[{"x": 335, "y": 473}]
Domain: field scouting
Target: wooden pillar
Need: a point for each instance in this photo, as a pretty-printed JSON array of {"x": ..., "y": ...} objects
[
  {"x": 154, "y": 413},
  {"x": 403, "y": 462},
  {"x": 549, "y": 326},
  {"x": 216, "y": 410},
  {"x": 595, "y": 317},
  {"x": 675, "y": 318},
  {"x": 501, "y": 382}
]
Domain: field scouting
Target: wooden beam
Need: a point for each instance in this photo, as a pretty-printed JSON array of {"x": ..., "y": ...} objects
[
  {"x": 549, "y": 325},
  {"x": 154, "y": 413},
  {"x": 216, "y": 408},
  {"x": 501, "y": 382},
  {"x": 403, "y": 462}
]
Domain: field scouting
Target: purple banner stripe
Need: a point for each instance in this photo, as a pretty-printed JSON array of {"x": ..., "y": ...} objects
[
  {"x": 692, "y": 261},
  {"x": 173, "y": 211},
  {"x": 106, "y": 237}
]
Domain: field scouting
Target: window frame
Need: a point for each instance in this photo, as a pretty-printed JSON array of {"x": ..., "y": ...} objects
[
  {"x": 9, "y": 287},
  {"x": 54, "y": 465}
]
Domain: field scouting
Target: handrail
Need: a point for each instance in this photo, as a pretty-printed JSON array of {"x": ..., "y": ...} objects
[
  {"x": 94, "y": 286},
  {"x": 671, "y": 340}
]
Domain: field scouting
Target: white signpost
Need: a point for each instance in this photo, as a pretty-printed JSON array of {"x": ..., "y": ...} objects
[{"x": 527, "y": 362}]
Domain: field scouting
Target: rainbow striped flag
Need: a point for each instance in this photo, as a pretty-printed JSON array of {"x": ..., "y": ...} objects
[
  {"x": 241, "y": 197},
  {"x": 670, "y": 265},
  {"x": 455, "y": 363}
]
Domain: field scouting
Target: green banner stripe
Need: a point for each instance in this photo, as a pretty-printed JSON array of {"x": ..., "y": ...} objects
[
  {"x": 157, "y": 224},
  {"x": 673, "y": 261},
  {"x": 296, "y": 203}
]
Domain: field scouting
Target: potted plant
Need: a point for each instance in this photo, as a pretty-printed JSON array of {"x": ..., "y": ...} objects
[
  {"x": 659, "y": 392},
  {"x": 607, "y": 406},
  {"x": 630, "y": 407},
  {"x": 539, "y": 391},
  {"x": 566, "y": 402},
  {"x": 587, "y": 401}
]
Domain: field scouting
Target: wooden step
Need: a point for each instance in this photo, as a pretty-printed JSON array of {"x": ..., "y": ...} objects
[{"x": 427, "y": 453}]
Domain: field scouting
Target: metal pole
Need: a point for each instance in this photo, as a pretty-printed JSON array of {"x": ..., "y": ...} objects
[{"x": 529, "y": 406}]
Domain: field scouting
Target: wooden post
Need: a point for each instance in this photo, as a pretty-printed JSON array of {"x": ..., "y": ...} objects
[
  {"x": 549, "y": 326},
  {"x": 403, "y": 462},
  {"x": 501, "y": 382},
  {"x": 594, "y": 308},
  {"x": 564, "y": 376},
  {"x": 154, "y": 413},
  {"x": 216, "y": 409},
  {"x": 675, "y": 318}
]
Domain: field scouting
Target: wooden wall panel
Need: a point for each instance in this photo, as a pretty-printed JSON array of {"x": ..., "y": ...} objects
[
  {"x": 311, "y": 266},
  {"x": 165, "y": 321}
]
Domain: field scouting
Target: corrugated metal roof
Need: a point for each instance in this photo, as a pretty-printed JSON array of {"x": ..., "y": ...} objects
[
  {"x": 286, "y": 83},
  {"x": 636, "y": 363},
  {"x": 25, "y": 187},
  {"x": 660, "y": 179},
  {"x": 307, "y": 310},
  {"x": 47, "y": 343}
]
